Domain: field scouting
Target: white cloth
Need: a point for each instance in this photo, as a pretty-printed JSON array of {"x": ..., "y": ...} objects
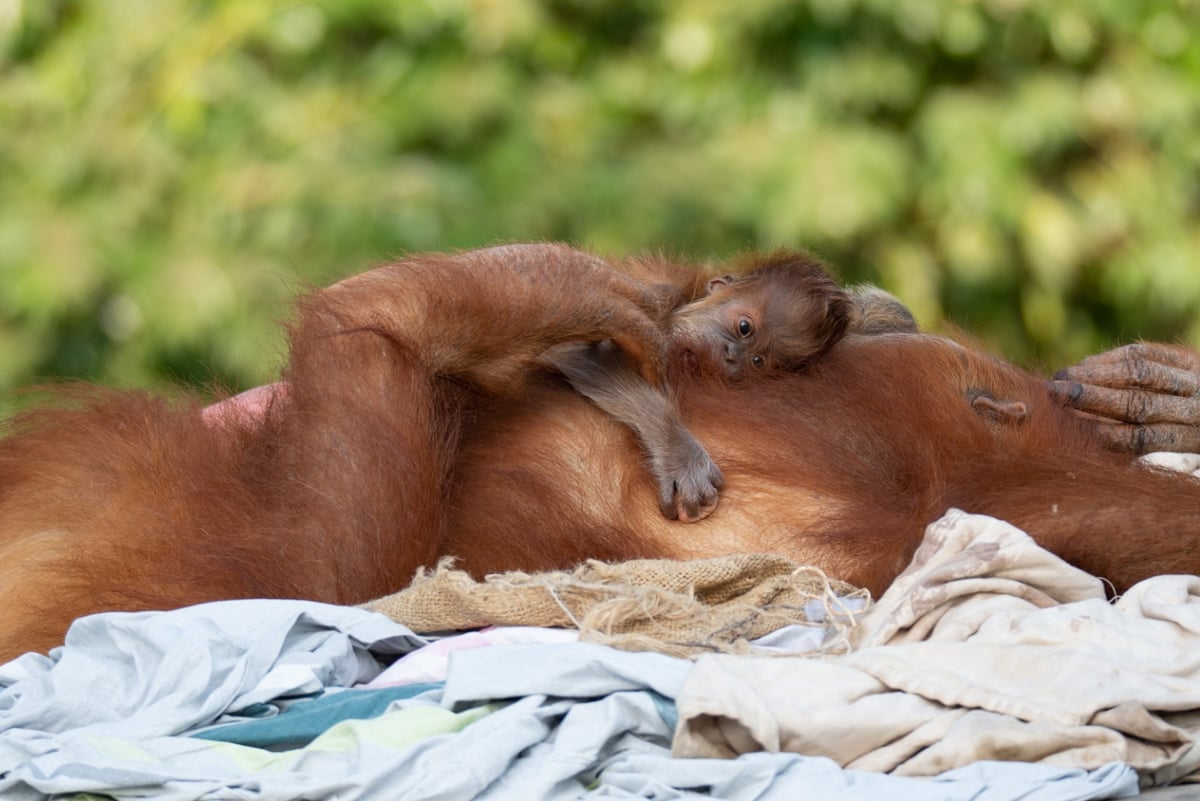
[
  {"x": 512, "y": 723},
  {"x": 1179, "y": 462},
  {"x": 432, "y": 662},
  {"x": 987, "y": 647}
]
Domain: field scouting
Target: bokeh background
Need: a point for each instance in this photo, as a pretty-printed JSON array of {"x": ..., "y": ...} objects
[{"x": 172, "y": 171}]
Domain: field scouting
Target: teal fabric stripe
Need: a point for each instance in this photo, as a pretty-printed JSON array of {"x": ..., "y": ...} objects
[{"x": 303, "y": 721}]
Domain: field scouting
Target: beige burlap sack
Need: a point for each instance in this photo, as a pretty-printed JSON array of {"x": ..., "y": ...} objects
[{"x": 681, "y": 608}]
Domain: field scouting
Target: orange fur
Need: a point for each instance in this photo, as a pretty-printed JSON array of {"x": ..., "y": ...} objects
[{"x": 414, "y": 426}]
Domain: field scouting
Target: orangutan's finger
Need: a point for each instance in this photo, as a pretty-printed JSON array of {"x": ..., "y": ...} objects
[
  {"x": 1129, "y": 360},
  {"x": 1139, "y": 439},
  {"x": 1128, "y": 405}
]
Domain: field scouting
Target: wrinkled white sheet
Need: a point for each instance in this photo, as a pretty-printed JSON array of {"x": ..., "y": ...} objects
[
  {"x": 144, "y": 674},
  {"x": 988, "y": 647},
  {"x": 110, "y": 715}
]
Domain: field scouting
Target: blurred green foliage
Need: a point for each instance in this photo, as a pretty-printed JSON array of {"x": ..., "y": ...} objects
[{"x": 172, "y": 171}]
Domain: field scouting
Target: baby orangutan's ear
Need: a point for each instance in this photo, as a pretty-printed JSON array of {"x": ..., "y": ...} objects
[{"x": 720, "y": 282}]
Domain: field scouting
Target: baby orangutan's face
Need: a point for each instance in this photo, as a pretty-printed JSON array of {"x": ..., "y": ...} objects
[{"x": 745, "y": 328}]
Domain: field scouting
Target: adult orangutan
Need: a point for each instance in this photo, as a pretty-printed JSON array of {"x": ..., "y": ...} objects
[{"x": 413, "y": 425}]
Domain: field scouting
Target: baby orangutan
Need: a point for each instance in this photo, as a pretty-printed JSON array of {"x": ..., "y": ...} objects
[{"x": 779, "y": 314}]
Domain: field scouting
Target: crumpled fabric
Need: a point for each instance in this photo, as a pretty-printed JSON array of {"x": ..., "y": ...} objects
[
  {"x": 511, "y": 722},
  {"x": 987, "y": 647}
]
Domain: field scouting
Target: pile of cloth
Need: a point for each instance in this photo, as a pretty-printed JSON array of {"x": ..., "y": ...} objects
[{"x": 989, "y": 670}]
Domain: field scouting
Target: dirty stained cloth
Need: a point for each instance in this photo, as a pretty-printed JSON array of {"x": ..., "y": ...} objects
[{"x": 986, "y": 647}]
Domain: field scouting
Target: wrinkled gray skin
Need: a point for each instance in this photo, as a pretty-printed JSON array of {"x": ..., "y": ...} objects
[{"x": 1143, "y": 397}]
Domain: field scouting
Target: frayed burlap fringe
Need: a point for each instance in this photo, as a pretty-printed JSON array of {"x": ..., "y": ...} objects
[{"x": 680, "y": 608}]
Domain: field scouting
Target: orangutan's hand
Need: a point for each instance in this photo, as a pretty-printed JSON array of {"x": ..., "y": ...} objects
[{"x": 1144, "y": 397}]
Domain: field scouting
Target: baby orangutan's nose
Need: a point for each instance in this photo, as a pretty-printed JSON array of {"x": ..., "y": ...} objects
[{"x": 732, "y": 361}]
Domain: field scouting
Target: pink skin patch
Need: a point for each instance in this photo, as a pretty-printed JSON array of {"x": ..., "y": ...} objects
[{"x": 247, "y": 407}]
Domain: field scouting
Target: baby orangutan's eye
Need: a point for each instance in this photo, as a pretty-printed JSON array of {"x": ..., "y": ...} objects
[
  {"x": 745, "y": 327},
  {"x": 758, "y": 361}
]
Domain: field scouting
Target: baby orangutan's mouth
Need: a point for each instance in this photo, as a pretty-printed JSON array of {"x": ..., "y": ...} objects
[
  {"x": 684, "y": 365},
  {"x": 689, "y": 361}
]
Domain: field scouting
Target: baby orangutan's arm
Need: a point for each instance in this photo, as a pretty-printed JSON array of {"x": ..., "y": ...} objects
[{"x": 688, "y": 480}]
